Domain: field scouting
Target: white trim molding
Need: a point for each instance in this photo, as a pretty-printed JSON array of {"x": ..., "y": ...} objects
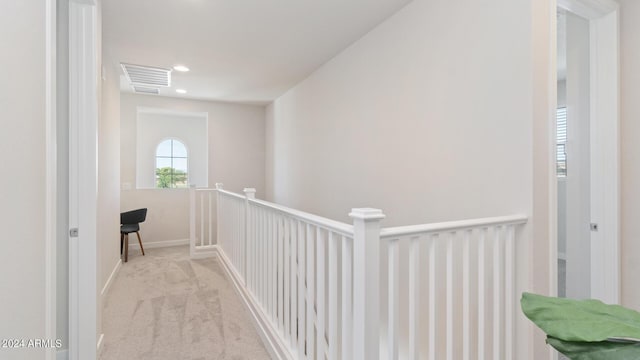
[
  {"x": 589, "y": 9},
  {"x": 100, "y": 344},
  {"x": 51, "y": 176},
  {"x": 605, "y": 165},
  {"x": 134, "y": 246},
  {"x": 83, "y": 130},
  {"x": 111, "y": 279}
]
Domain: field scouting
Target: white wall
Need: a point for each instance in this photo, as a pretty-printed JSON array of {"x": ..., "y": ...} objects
[
  {"x": 153, "y": 128},
  {"x": 236, "y": 140},
  {"x": 434, "y": 115},
  {"x": 630, "y": 148},
  {"x": 407, "y": 117},
  {"x": 269, "y": 155},
  {"x": 22, "y": 143},
  {"x": 108, "y": 202}
]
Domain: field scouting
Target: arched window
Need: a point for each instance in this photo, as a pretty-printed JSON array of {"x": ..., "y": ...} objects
[{"x": 172, "y": 169}]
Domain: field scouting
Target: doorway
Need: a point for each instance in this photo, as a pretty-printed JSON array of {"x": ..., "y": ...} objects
[
  {"x": 573, "y": 157},
  {"x": 587, "y": 160}
]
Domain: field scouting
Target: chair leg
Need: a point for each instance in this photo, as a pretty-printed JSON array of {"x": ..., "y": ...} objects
[
  {"x": 126, "y": 247},
  {"x": 140, "y": 241},
  {"x": 121, "y": 243}
]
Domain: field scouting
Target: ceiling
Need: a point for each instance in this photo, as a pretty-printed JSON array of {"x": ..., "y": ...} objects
[{"x": 249, "y": 51}]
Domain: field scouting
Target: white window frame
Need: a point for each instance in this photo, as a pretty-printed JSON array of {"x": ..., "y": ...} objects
[{"x": 172, "y": 157}]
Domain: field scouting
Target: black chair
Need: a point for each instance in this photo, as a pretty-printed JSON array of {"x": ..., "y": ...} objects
[{"x": 129, "y": 223}]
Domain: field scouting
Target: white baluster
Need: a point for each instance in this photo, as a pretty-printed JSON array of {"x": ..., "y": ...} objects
[
  {"x": 333, "y": 296},
  {"x": 394, "y": 290},
  {"x": 274, "y": 267},
  {"x": 311, "y": 296},
  {"x": 432, "y": 297},
  {"x": 414, "y": 298},
  {"x": 269, "y": 261},
  {"x": 509, "y": 291},
  {"x": 250, "y": 241},
  {"x": 219, "y": 215},
  {"x": 347, "y": 303},
  {"x": 280, "y": 273},
  {"x": 320, "y": 296},
  {"x": 481, "y": 294},
  {"x": 294, "y": 284},
  {"x": 259, "y": 244},
  {"x": 497, "y": 294},
  {"x": 449, "y": 238},
  {"x": 265, "y": 257},
  {"x": 192, "y": 221},
  {"x": 260, "y": 234},
  {"x": 466, "y": 294},
  {"x": 301, "y": 289},
  {"x": 210, "y": 218},
  {"x": 286, "y": 279}
]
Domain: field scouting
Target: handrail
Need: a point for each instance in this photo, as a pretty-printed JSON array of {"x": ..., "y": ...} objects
[
  {"x": 232, "y": 194},
  {"x": 333, "y": 225},
  {"x": 337, "y": 226},
  {"x": 400, "y": 231}
]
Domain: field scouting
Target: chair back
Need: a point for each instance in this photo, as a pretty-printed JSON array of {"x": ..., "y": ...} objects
[{"x": 133, "y": 216}]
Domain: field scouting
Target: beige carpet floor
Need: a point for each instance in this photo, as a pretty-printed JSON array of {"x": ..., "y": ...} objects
[{"x": 164, "y": 306}]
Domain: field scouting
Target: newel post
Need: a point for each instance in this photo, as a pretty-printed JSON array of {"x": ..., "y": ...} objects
[
  {"x": 219, "y": 240},
  {"x": 192, "y": 220},
  {"x": 249, "y": 193},
  {"x": 366, "y": 283}
]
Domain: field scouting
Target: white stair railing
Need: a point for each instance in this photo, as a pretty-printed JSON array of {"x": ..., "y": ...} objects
[
  {"x": 469, "y": 287},
  {"x": 314, "y": 285}
]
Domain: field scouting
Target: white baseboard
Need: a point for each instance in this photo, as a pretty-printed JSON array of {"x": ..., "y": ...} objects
[
  {"x": 133, "y": 243},
  {"x": 62, "y": 354},
  {"x": 112, "y": 277},
  {"x": 100, "y": 343},
  {"x": 205, "y": 254}
]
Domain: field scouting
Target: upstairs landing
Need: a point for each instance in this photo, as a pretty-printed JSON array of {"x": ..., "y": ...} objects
[{"x": 166, "y": 306}]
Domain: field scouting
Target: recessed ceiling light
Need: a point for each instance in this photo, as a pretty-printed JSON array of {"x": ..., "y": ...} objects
[
  {"x": 181, "y": 68},
  {"x": 181, "y": 91}
]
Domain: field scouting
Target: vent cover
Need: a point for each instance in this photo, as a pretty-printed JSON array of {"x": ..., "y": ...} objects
[
  {"x": 147, "y": 75},
  {"x": 146, "y": 90}
]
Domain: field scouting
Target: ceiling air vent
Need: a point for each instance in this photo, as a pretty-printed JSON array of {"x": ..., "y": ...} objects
[
  {"x": 147, "y": 75},
  {"x": 146, "y": 90}
]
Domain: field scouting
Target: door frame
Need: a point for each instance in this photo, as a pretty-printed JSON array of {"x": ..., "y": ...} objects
[
  {"x": 83, "y": 178},
  {"x": 603, "y": 16},
  {"x": 51, "y": 258}
]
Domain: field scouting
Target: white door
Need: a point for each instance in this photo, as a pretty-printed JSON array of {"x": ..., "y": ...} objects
[{"x": 83, "y": 127}]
